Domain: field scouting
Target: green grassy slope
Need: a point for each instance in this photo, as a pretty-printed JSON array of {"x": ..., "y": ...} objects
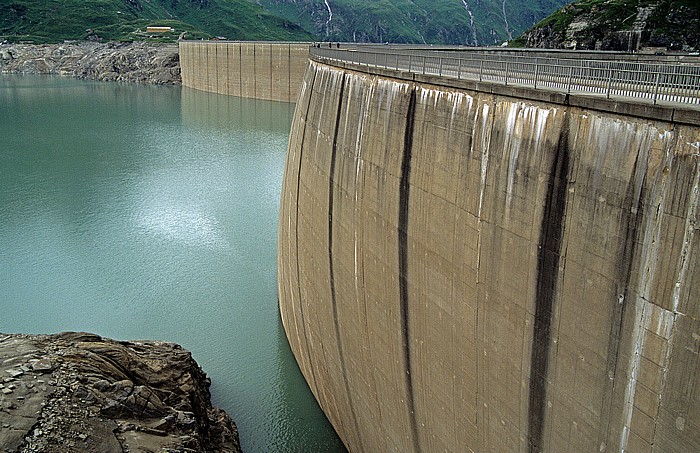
[{"x": 126, "y": 20}]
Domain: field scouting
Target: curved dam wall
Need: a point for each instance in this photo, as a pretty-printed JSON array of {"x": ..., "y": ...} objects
[
  {"x": 463, "y": 270},
  {"x": 261, "y": 70}
]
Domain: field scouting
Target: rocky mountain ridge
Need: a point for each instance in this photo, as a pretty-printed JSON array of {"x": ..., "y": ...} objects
[
  {"x": 621, "y": 25},
  {"x": 82, "y": 393}
]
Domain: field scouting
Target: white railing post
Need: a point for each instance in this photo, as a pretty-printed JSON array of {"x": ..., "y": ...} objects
[
  {"x": 537, "y": 70},
  {"x": 656, "y": 83},
  {"x": 571, "y": 76},
  {"x": 481, "y": 69},
  {"x": 675, "y": 81},
  {"x": 459, "y": 68},
  {"x": 610, "y": 76}
]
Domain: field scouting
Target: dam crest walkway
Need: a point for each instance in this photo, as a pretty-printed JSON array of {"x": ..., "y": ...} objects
[{"x": 640, "y": 78}]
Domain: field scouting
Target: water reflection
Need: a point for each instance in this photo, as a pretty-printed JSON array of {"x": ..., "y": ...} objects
[
  {"x": 151, "y": 212},
  {"x": 232, "y": 113}
]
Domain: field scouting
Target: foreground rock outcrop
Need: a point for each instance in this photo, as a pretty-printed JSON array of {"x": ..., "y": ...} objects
[
  {"x": 79, "y": 392},
  {"x": 122, "y": 62}
]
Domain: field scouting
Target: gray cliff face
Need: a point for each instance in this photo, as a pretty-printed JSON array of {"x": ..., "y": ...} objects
[
  {"x": 620, "y": 26},
  {"x": 82, "y": 393},
  {"x": 122, "y": 62}
]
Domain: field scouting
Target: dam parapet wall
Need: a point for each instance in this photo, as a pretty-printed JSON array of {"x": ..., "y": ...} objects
[
  {"x": 470, "y": 267},
  {"x": 664, "y": 88},
  {"x": 256, "y": 69}
]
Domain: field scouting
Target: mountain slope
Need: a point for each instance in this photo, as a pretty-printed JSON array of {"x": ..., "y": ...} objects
[
  {"x": 626, "y": 25},
  {"x": 469, "y": 22},
  {"x": 126, "y": 20}
]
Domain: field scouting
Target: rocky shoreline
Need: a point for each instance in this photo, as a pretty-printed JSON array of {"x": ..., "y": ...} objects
[
  {"x": 122, "y": 62},
  {"x": 80, "y": 392}
]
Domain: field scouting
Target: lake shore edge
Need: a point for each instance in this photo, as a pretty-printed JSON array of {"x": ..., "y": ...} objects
[
  {"x": 85, "y": 393},
  {"x": 141, "y": 62}
]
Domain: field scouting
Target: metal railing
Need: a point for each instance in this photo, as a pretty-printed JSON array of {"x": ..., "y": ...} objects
[{"x": 657, "y": 82}]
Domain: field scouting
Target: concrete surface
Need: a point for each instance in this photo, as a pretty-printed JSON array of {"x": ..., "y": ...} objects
[
  {"x": 470, "y": 271},
  {"x": 260, "y": 70}
]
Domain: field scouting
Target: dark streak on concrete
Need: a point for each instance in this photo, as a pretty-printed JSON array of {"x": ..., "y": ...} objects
[
  {"x": 331, "y": 192},
  {"x": 404, "y": 196},
  {"x": 312, "y": 384},
  {"x": 548, "y": 257},
  {"x": 632, "y": 215}
]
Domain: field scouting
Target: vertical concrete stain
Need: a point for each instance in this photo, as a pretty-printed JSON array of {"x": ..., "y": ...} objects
[
  {"x": 298, "y": 172},
  {"x": 688, "y": 235},
  {"x": 389, "y": 90},
  {"x": 404, "y": 197},
  {"x": 642, "y": 315},
  {"x": 352, "y": 83},
  {"x": 650, "y": 317},
  {"x": 548, "y": 256},
  {"x": 240, "y": 69},
  {"x": 484, "y": 160},
  {"x": 512, "y": 145},
  {"x": 334, "y": 303},
  {"x": 484, "y": 149}
]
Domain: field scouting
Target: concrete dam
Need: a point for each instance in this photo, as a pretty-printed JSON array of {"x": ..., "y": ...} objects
[
  {"x": 481, "y": 264},
  {"x": 260, "y": 70},
  {"x": 471, "y": 267}
]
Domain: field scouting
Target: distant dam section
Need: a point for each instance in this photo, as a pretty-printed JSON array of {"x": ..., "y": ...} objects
[
  {"x": 488, "y": 268},
  {"x": 260, "y": 70}
]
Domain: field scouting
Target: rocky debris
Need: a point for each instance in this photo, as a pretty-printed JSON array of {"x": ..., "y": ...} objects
[
  {"x": 79, "y": 392},
  {"x": 122, "y": 62}
]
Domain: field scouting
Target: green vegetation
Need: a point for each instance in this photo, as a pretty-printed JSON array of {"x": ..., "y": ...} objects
[
  {"x": 126, "y": 20},
  {"x": 482, "y": 22}
]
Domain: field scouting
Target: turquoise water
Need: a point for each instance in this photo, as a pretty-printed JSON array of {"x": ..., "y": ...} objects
[{"x": 151, "y": 212}]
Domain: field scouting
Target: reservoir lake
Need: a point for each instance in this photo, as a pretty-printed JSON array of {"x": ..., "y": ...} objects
[{"x": 150, "y": 212}]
